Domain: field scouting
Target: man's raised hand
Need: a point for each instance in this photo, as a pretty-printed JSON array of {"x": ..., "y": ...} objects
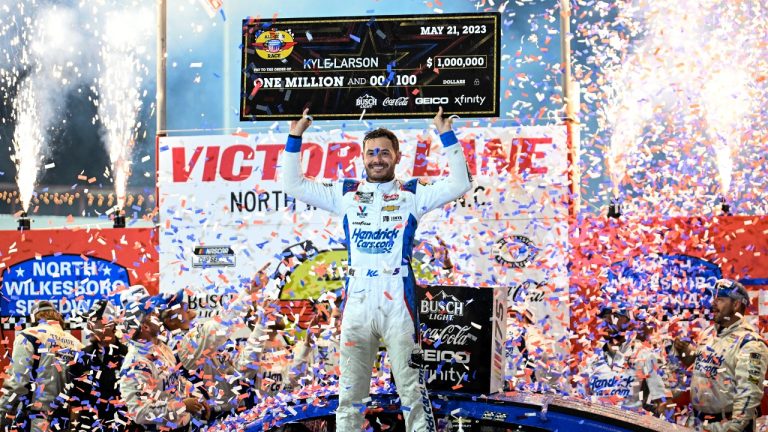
[{"x": 299, "y": 126}]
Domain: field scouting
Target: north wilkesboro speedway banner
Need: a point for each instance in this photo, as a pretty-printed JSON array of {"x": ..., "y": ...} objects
[{"x": 224, "y": 213}]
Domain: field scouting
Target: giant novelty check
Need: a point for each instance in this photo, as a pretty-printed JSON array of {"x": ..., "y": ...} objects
[{"x": 402, "y": 66}]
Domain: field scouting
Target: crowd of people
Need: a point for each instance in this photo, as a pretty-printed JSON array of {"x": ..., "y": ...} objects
[
  {"x": 151, "y": 366},
  {"x": 705, "y": 373}
]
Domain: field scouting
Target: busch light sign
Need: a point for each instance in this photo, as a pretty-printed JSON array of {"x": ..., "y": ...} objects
[
  {"x": 462, "y": 334},
  {"x": 72, "y": 282}
]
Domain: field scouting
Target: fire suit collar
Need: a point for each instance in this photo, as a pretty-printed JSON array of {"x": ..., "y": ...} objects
[
  {"x": 381, "y": 187},
  {"x": 731, "y": 328}
]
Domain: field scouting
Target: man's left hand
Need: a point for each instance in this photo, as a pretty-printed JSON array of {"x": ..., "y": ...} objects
[{"x": 443, "y": 125}]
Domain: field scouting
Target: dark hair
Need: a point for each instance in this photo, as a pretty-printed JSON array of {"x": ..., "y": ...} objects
[{"x": 385, "y": 133}]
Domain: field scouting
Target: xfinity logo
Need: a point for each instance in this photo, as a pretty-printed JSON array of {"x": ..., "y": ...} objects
[
  {"x": 432, "y": 101},
  {"x": 461, "y": 100},
  {"x": 366, "y": 101}
]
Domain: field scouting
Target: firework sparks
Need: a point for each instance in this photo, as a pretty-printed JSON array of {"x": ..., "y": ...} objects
[
  {"x": 675, "y": 77},
  {"x": 119, "y": 90},
  {"x": 27, "y": 141}
]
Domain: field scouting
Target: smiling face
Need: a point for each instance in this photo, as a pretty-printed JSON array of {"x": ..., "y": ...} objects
[
  {"x": 725, "y": 310},
  {"x": 381, "y": 153}
]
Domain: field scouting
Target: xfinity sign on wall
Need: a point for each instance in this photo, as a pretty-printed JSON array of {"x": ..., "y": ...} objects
[{"x": 224, "y": 213}]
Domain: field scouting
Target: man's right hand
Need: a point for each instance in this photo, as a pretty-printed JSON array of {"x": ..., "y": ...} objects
[
  {"x": 193, "y": 405},
  {"x": 685, "y": 351},
  {"x": 299, "y": 126}
]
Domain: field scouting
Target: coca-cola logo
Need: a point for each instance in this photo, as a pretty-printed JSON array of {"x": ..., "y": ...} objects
[
  {"x": 452, "y": 334},
  {"x": 401, "y": 101},
  {"x": 530, "y": 290}
]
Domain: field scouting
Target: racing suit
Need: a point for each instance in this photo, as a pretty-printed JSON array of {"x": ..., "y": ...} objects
[
  {"x": 268, "y": 365},
  {"x": 203, "y": 359},
  {"x": 380, "y": 221},
  {"x": 153, "y": 388},
  {"x": 616, "y": 375},
  {"x": 38, "y": 373},
  {"x": 727, "y": 382},
  {"x": 318, "y": 357}
]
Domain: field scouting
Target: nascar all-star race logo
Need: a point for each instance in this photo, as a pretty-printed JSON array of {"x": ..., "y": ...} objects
[
  {"x": 274, "y": 44},
  {"x": 213, "y": 256},
  {"x": 514, "y": 251}
]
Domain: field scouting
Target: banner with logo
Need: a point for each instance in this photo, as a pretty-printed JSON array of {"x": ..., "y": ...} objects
[
  {"x": 70, "y": 268},
  {"x": 664, "y": 268},
  {"x": 394, "y": 66},
  {"x": 224, "y": 215},
  {"x": 463, "y": 332}
]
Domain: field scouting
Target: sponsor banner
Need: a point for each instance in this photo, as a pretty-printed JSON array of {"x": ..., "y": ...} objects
[
  {"x": 664, "y": 267},
  {"x": 73, "y": 268},
  {"x": 393, "y": 66},
  {"x": 224, "y": 193},
  {"x": 73, "y": 281},
  {"x": 463, "y": 331},
  {"x": 70, "y": 268}
]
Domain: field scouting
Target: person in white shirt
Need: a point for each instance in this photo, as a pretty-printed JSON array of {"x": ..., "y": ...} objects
[
  {"x": 728, "y": 366},
  {"x": 38, "y": 373},
  {"x": 624, "y": 370},
  {"x": 155, "y": 393}
]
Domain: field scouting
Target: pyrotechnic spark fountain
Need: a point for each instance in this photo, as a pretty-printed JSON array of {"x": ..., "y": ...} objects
[
  {"x": 40, "y": 69},
  {"x": 27, "y": 142},
  {"x": 674, "y": 76},
  {"x": 727, "y": 100},
  {"x": 119, "y": 90}
]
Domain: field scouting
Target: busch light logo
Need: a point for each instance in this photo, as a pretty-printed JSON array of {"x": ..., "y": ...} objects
[
  {"x": 379, "y": 241},
  {"x": 443, "y": 307},
  {"x": 366, "y": 101},
  {"x": 71, "y": 282}
]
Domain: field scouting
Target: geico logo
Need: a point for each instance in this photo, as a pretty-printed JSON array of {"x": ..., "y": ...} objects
[
  {"x": 431, "y": 100},
  {"x": 436, "y": 356}
]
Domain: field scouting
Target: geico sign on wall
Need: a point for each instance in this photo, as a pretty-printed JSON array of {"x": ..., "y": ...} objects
[{"x": 224, "y": 213}]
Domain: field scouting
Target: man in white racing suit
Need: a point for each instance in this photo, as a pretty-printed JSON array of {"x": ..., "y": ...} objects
[
  {"x": 730, "y": 364},
  {"x": 157, "y": 397},
  {"x": 380, "y": 217},
  {"x": 624, "y": 370},
  {"x": 38, "y": 372}
]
